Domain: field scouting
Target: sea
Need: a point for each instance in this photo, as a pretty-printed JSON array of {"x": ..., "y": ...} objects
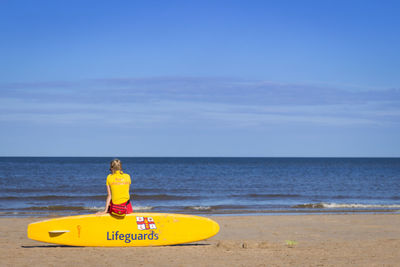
[{"x": 58, "y": 186}]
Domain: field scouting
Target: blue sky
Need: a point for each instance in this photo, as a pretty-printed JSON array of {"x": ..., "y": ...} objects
[{"x": 200, "y": 78}]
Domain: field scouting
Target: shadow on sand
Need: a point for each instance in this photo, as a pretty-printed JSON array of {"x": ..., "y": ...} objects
[
  {"x": 66, "y": 246},
  {"x": 52, "y": 246}
]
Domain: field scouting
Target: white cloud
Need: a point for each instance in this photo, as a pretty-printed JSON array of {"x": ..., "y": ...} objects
[{"x": 184, "y": 102}]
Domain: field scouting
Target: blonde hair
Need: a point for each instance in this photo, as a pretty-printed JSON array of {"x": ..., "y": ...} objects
[{"x": 115, "y": 165}]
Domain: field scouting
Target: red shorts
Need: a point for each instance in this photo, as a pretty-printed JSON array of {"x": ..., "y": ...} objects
[{"x": 128, "y": 207}]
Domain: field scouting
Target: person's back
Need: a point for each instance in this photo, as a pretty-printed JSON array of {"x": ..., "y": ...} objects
[{"x": 118, "y": 184}]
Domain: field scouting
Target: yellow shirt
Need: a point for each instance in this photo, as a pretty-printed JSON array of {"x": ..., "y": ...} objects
[{"x": 119, "y": 183}]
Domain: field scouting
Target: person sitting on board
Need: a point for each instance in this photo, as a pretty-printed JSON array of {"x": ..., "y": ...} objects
[{"x": 118, "y": 184}]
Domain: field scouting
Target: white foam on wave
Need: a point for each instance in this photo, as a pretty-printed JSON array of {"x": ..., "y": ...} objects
[
  {"x": 94, "y": 208},
  {"x": 358, "y": 206},
  {"x": 138, "y": 208},
  {"x": 200, "y": 208}
]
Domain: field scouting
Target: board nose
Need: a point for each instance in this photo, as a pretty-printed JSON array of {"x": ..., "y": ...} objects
[
  {"x": 216, "y": 227},
  {"x": 213, "y": 228}
]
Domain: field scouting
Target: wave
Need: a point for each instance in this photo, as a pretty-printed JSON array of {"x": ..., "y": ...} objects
[
  {"x": 76, "y": 208},
  {"x": 55, "y": 197},
  {"x": 345, "y": 206},
  {"x": 268, "y": 196},
  {"x": 140, "y": 208},
  {"x": 63, "y": 208},
  {"x": 161, "y": 197},
  {"x": 97, "y": 197},
  {"x": 358, "y": 197},
  {"x": 217, "y": 208},
  {"x": 200, "y": 208}
]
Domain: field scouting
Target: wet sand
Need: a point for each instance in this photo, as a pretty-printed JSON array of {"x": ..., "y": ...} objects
[{"x": 318, "y": 240}]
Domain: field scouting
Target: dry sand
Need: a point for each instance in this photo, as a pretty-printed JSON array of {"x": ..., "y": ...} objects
[{"x": 322, "y": 240}]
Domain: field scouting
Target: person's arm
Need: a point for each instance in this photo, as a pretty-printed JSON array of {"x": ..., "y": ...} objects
[
  {"x": 108, "y": 198},
  {"x": 107, "y": 201}
]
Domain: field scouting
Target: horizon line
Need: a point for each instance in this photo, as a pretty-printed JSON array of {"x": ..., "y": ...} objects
[{"x": 328, "y": 157}]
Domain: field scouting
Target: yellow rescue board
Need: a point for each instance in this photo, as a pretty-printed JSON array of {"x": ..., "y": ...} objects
[{"x": 136, "y": 229}]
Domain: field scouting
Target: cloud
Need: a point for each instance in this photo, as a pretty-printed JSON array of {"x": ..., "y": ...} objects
[{"x": 194, "y": 102}]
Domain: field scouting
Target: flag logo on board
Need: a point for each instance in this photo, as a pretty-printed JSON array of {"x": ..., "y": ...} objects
[{"x": 145, "y": 223}]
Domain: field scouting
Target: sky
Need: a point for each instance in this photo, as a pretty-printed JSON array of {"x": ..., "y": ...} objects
[{"x": 200, "y": 78}]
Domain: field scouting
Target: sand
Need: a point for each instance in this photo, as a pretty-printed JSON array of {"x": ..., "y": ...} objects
[{"x": 318, "y": 240}]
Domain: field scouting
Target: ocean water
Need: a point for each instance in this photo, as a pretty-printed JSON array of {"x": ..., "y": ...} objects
[{"x": 42, "y": 186}]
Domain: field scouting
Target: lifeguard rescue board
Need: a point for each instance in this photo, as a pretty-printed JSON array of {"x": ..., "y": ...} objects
[{"x": 135, "y": 229}]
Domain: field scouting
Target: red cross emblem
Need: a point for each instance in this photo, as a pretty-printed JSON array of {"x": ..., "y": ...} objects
[{"x": 145, "y": 223}]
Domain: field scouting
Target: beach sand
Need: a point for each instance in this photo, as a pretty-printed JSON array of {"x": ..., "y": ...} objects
[{"x": 322, "y": 240}]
